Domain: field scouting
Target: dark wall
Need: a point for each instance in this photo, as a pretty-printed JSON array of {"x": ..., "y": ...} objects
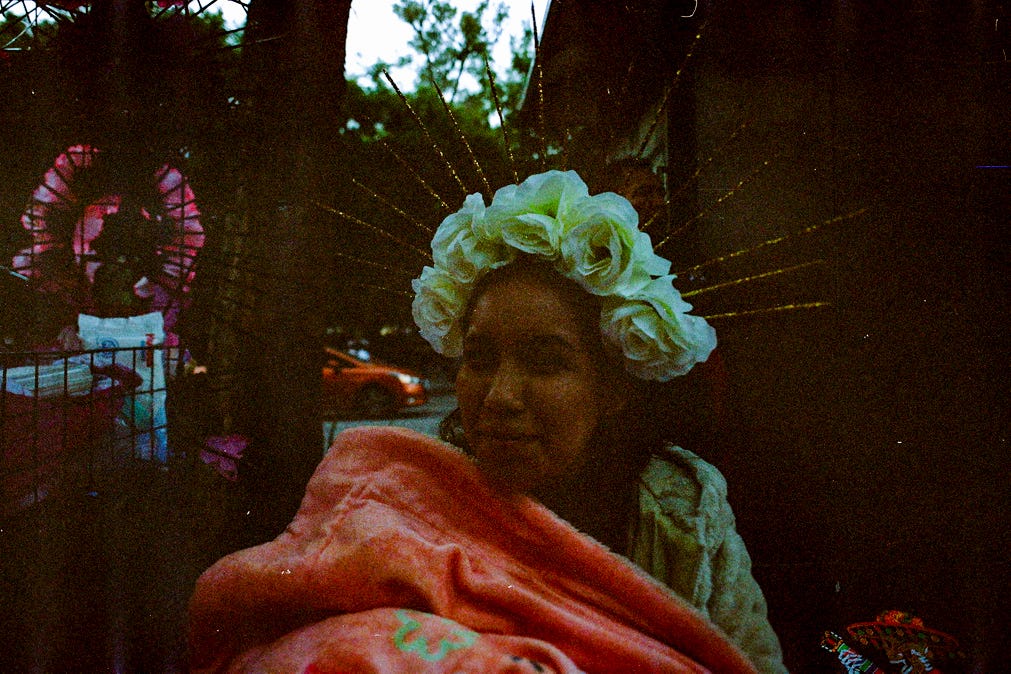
[
  {"x": 866, "y": 443},
  {"x": 862, "y": 442}
]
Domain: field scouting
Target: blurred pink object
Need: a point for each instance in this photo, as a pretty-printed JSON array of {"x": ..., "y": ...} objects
[
  {"x": 222, "y": 453},
  {"x": 58, "y": 196},
  {"x": 39, "y": 437}
]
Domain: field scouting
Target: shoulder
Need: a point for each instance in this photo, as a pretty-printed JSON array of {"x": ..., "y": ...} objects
[
  {"x": 683, "y": 486},
  {"x": 685, "y": 536},
  {"x": 683, "y": 523}
]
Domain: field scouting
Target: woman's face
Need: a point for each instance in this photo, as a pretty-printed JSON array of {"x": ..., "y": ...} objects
[{"x": 530, "y": 386}]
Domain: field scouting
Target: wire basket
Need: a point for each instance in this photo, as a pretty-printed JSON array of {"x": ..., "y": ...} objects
[{"x": 44, "y": 433}]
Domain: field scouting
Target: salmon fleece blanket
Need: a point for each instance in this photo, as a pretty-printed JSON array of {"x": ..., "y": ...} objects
[{"x": 403, "y": 559}]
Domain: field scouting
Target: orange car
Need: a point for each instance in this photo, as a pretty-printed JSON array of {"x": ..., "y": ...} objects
[{"x": 369, "y": 387}]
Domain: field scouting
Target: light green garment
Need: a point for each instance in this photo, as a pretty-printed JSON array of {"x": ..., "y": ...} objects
[{"x": 685, "y": 537}]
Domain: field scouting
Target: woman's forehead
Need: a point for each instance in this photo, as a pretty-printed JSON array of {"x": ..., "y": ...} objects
[
  {"x": 521, "y": 304},
  {"x": 512, "y": 337}
]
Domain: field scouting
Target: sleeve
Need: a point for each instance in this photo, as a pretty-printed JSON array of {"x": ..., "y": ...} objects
[
  {"x": 738, "y": 606},
  {"x": 686, "y": 538}
]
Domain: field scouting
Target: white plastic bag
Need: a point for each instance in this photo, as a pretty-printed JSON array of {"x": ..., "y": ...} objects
[
  {"x": 64, "y": 377},
  {"x": 143, "y": 415}
]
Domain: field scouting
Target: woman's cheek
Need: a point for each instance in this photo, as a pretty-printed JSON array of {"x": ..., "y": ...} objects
[{"x": 470, "y": 397}]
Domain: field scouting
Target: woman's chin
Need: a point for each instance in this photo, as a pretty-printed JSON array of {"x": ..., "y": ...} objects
[{"x": 510, "y": 477}]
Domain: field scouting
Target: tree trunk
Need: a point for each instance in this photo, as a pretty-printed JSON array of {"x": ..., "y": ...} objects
[{"x": 294, "y": 58}]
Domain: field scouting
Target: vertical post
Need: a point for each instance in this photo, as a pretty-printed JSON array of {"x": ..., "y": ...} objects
[{"x": 295, "y": 62}]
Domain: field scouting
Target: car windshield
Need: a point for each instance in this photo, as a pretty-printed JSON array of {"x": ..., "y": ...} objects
[{"x": 368, "y": 358}]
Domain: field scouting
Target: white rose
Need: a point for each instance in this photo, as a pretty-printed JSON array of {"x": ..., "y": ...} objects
[
  {"x": 605, "y": 251},
  {"x": 439, "y": 303},
  {"x": 459, "y": 251},
  {"x": 659, "y": 339},
  {"x": 529, "y": 216}
]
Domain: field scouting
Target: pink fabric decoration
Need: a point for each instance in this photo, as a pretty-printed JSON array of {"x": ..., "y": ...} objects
[
  {"x": 223, "y": 453},
  {"x": 56, "y": 196}
]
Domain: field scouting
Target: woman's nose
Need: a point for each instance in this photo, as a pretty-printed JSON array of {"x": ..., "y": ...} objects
[{"x": 505, "y": 389}]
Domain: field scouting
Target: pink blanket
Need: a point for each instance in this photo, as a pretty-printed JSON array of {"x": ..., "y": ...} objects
[{"x": 402, "y": 559}]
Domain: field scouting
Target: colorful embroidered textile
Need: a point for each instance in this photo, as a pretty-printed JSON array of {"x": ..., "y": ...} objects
[{"x": 397, "y": 527}]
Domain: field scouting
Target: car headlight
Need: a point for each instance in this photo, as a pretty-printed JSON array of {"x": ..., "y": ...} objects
[{"x": 406, "y": 379}]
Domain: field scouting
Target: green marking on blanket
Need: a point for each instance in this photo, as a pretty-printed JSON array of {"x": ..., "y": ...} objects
[{"x": 419, "y": 646}]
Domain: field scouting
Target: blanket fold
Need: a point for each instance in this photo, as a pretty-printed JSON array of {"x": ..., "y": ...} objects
[{"x": 398, "y": 534}]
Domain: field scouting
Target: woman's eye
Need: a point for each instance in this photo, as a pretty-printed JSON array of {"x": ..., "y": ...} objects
[
  {"x": 478, "y": 358},
  {"x": 546, "y": 361}
]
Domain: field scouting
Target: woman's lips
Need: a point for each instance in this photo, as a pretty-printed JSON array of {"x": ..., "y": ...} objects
[{"x": 504, "y": 436}]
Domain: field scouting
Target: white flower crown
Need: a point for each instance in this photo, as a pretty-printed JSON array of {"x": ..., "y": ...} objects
[{"x": 592, "y": 240}]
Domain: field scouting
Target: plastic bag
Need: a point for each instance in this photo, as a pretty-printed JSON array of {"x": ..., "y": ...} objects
[{"x": 136, "y": 342}]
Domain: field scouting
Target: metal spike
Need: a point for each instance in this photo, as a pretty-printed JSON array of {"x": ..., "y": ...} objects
[
  {"x": 462, "y": 135},
  {"x": 770, "y": 242},
  {"x": 392, "y": 291},
  {"x": 417, "y": 176},
  {"x": 666, "y": 97},
  {"x": 539, "y": 83},
  {"x": 375, "y": 229},
  {"x": 698, "y": 170},
  {"x": 389, "y": 204},
  {"x": 501, "y": 120},
  {"x": 703, "y": 213},
  {"x": 748, "y": 279},
  {"x": 365, "y": 261},
  {"x": 768, "y": 310},
  {"x": 424, "y": 130}
]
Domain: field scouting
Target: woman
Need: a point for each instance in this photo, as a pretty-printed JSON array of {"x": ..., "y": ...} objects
[
  {"x": 408, "y": 556},
  {"x": 565, "y": 322}
]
